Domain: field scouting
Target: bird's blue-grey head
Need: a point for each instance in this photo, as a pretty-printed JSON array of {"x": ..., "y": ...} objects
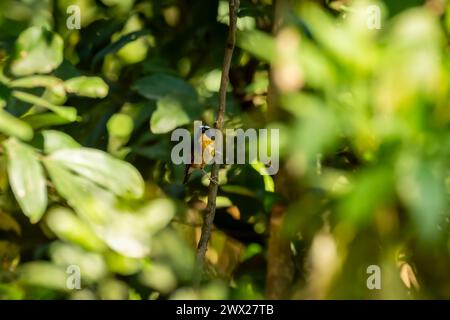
[
  {"x": 210, "y": 134},
  {"x": 204, "y": 128}
]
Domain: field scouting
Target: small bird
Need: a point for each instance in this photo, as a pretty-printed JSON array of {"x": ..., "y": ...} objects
[{"x": 206, "y": 141}]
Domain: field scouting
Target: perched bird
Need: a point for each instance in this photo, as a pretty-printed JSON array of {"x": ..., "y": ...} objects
[{"x": 206, "y": 141}]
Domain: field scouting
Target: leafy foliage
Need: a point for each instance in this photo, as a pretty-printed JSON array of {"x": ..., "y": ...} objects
[{"x": 85, "y": 171}]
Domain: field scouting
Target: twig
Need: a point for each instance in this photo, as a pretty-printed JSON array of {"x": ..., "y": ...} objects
[{"x": 213, "y": 186}]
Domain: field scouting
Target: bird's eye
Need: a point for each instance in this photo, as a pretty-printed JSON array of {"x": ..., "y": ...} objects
[{"x": 213, "y": 138}]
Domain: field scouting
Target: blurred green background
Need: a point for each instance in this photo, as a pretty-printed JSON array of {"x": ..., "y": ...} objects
[{"x": 358, "y": 89}]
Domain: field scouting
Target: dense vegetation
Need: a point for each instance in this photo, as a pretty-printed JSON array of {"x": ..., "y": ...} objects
[{"x": 87, "y": 183}]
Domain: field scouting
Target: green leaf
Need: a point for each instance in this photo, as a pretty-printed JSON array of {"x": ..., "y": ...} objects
[
  {"x": 120, "y": 125},
  {"x": 125, "y": 229},
  {"x": 12, "y": 126},
  {"x": 129, "y": 230},
  {"x": 8, "y": 223},
  {"x": 43, "y": 274},
  {"x": 69, "y": 113},
  {"x": 269, "y": 185},
  {"x": 118, "y": 176},
  {"x": 116, "y": 46},
  {"x": 37, "y": 51},
  {"x": 122, "y": 264},
  {"x": 158, "y": 276},
  {"x": 158, "y": 86},
  {"x": 168, "y": 115},
  {"x": 257, "y": 43},
  {"x": 422, "y": 189},
  {"x": 54, "y": 93},
  {"x": 56, "y": 140},
  {"x": 372, "y": 188},
  {"x": 67, "y": 226},
  {"x": 90, "y": 201},
  {"x": 27, "y": 179},
  {"x": 168, "y": 245},
  {"x": 92, "y": 87},
  {"x": 126, "y": 232},
  {"x": 158, "y": 213},
  {"x": 36, "y": 81},
  {"x": 316, "y": 120},
  {"x": 47, "y": 119},
  {"x": 447, "y": 18},
  {"x": 92, "y": 265},
  {"x": 238, "y": 190},
  {"x": 11, "y": 292}
]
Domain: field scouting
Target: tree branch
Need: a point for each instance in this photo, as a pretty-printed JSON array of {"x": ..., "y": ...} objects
[{"x": 213, "y": 186}]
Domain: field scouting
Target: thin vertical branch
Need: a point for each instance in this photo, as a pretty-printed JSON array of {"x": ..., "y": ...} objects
[{"x": 213, "y": 186}]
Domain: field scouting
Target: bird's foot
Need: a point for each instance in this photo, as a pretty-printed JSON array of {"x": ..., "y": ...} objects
[
  {"x": 209, "y": 177},
  {"x": 213, "y": 180}
]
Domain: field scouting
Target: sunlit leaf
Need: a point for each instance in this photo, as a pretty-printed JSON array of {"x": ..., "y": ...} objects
[
  {"x": 46, "y": 119},
  {"x": 159, "y": 277},
  {"x": 36, "y": 81},
  {"x": 337, "y": 40},
  {"x": 117, "y": 45},
  {"x": 171, "y": 247},
  {"x": 116, "y": 175},
  {"x": 37, "y": 51},
  {"x": 69, "y": 113},
  {"x": 129, "y": 231},
  {"x": 268, "y": 180},
  {"x": 258, "y": 43},
  {"x": 169, "y": 115},
  {"x": 13, "y": 126},
  {"x": 238, "y": 190},
  {"x": 423, "y": 190},
  {"x": 92, "y": 265},
  {"x": 67, "y": 226},
  {"x": 27, "y": 179},
  {"x": 43, "y": 274},
  {"x": 56, "y": 140},
  {"x": 113, "y": 289},
  {"x": 134, "y": 51},
  {"x": 92, "y": 87},
  {"x": 120, "y": 125},
  {"x": 122, "y": 231},
  {"x": 157, "y": 214},
  {"x": 375, "y": 187},
  {"x": 90, "y": 201},
  {"x": 11, "y": 292},
  {"x": 128, "y": 234},
  {"x": 122, "y": 264}
]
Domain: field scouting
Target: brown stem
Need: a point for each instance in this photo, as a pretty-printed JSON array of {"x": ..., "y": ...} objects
[{"x": 213, "y": 187}]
